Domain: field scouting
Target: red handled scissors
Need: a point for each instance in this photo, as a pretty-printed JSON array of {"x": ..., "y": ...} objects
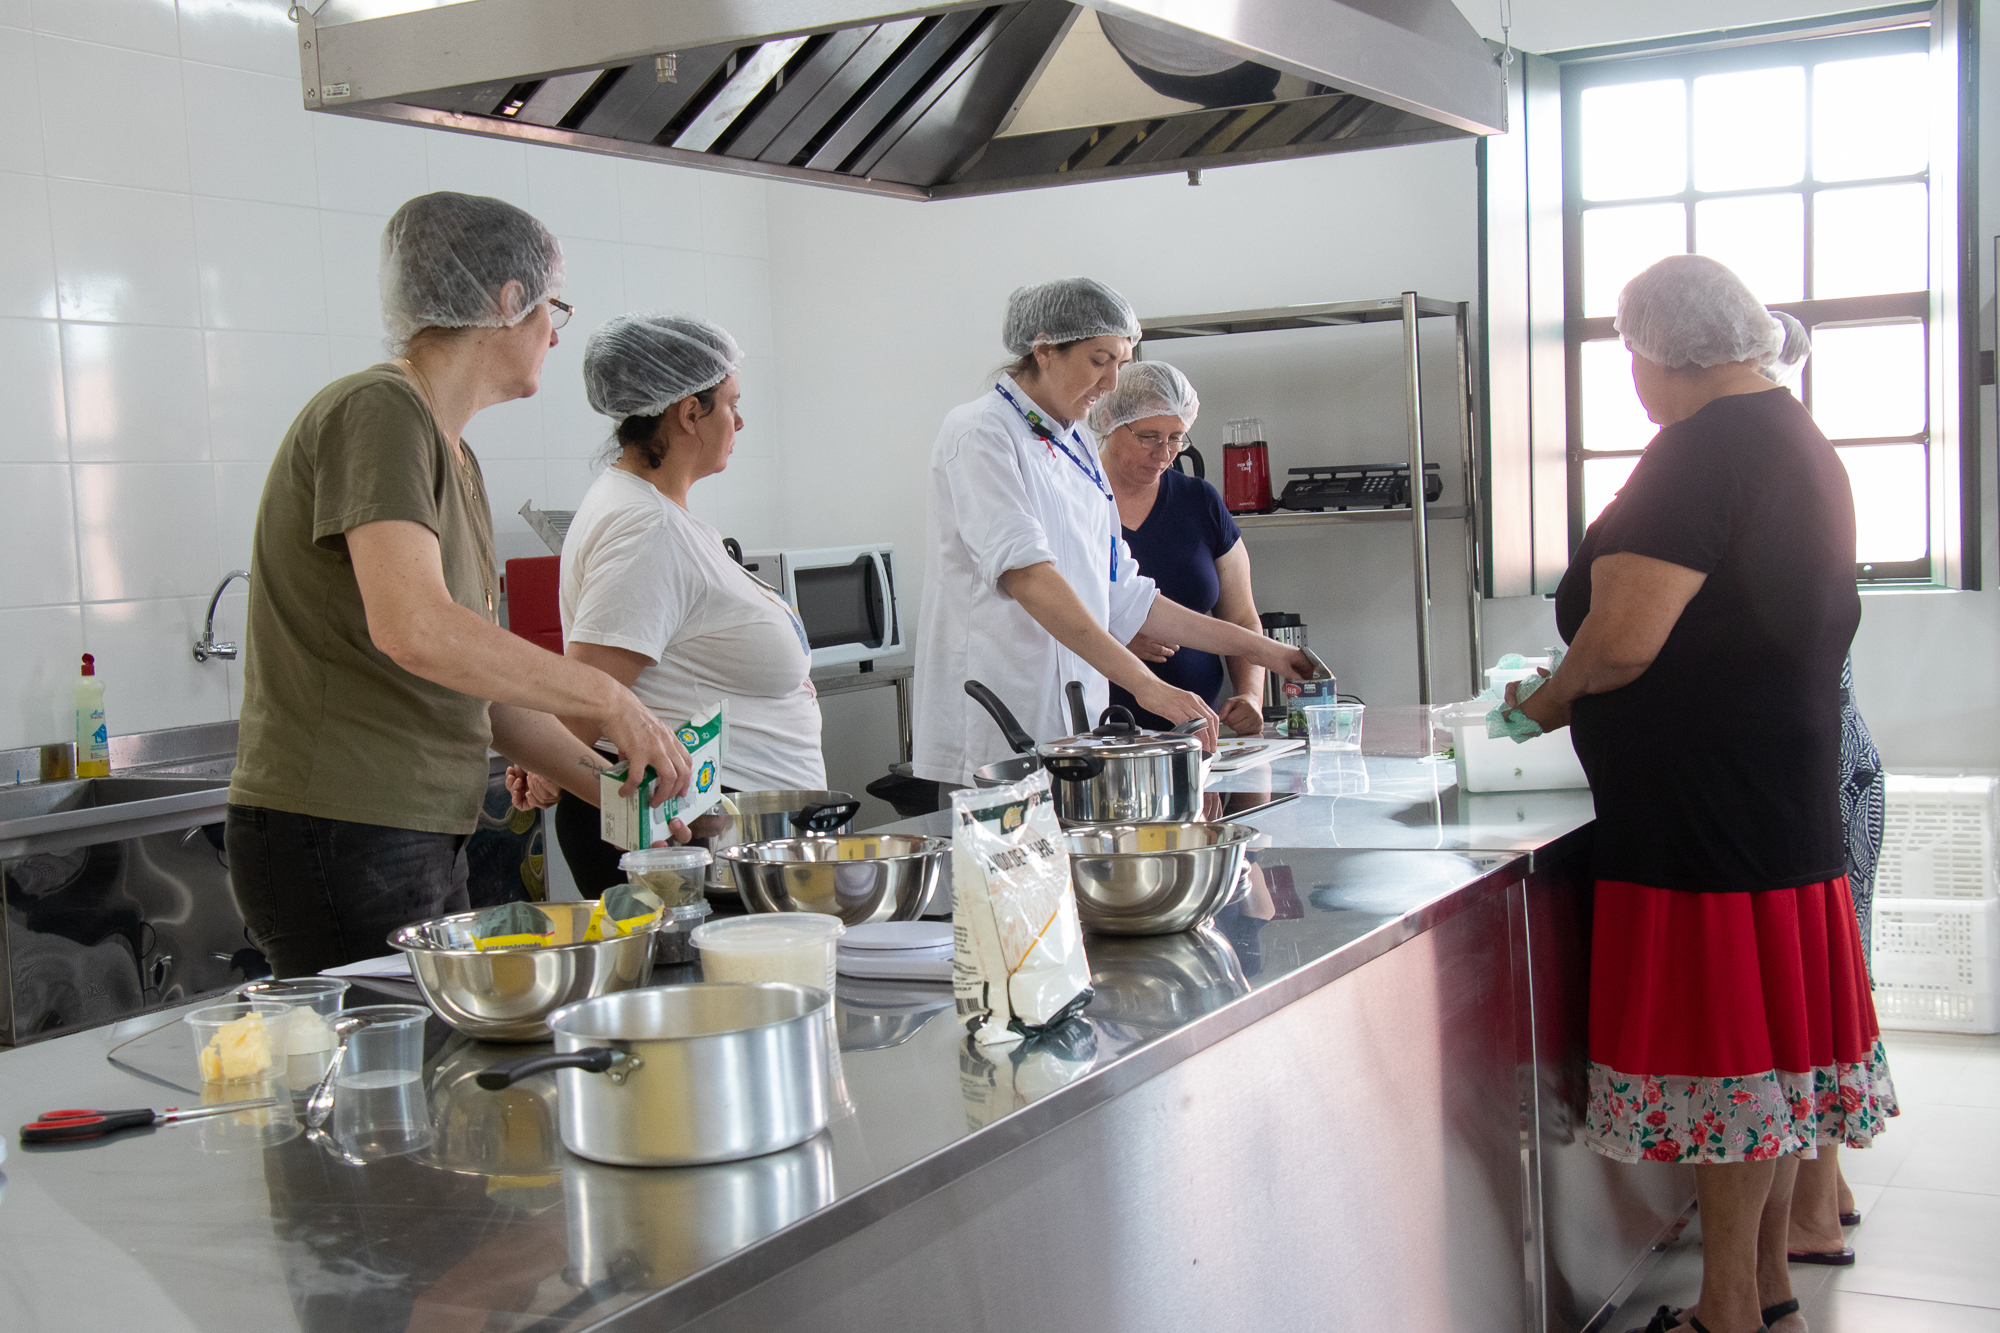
[{"x": 74, "y": 1125}]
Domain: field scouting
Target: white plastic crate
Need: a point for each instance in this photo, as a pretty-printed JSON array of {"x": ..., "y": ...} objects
[
  {"x": 1938, "y": 838},
  {"x": 1937, "y": 964}
]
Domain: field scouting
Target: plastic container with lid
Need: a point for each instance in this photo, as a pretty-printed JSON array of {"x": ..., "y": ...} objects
[
  {"x": 678, "y": 876},
  {"x": 797, "y": 947},
  {"x": 673, "y": 942}
]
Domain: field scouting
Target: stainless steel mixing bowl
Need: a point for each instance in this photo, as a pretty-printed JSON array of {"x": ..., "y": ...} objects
[
  {"x": 859, "y": 878},
  {"x": 1154, "y": 879},
  {"x": 508, "y": 994}
]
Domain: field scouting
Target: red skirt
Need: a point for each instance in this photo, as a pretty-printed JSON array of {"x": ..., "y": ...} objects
[{"x": 1731, "y": 1026}]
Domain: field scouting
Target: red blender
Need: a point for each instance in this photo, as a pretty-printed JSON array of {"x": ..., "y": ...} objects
[{"x": 1246, "y": 469}]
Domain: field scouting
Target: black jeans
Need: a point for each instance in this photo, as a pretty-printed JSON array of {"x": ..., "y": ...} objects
[
  {"x": 593, "y": 862},
  {"x": 316, "y": 893}
]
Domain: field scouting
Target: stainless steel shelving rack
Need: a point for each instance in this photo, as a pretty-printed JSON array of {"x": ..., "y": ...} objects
[{"x": 1410, "y": 309}]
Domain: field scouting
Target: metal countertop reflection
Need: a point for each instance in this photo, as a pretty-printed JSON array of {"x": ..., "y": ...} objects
[{"x": 491, "y": 1223}]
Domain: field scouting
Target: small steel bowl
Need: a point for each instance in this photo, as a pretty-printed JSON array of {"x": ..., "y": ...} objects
[
  {"x": 508, "y": 994},
  {"x": 1154, "y": 879},
  {"x": 860, "y": 877}
]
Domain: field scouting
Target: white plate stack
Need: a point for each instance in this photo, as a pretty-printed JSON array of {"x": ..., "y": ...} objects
[{"x": 897, "y": 951}]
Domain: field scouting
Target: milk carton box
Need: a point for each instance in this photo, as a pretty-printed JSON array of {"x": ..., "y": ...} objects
[{"x": 633, "y": 822}]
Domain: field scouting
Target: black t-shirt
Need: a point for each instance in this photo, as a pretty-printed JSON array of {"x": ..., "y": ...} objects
[
  {"x": 1185, "y": 533},
  {"x": 1718, "y": 769}
]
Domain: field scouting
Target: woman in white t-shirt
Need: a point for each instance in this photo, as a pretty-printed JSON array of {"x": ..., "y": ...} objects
[{"x": 649, "y": 595}]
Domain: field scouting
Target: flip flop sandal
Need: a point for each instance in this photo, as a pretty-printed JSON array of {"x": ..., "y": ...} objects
[
  {"x": 1841, "y": 1258},
  {"x": 1771, "y": 1314},
  {"x": 1668, "y": 1317},
  {"x": 1850, "y": 1219}
]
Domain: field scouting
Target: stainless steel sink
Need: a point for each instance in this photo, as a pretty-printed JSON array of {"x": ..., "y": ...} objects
[{"x": 48, "y": 816}]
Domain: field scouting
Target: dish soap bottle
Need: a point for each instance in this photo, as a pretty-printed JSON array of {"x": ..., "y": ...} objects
[{"x": 93, "y": 738}]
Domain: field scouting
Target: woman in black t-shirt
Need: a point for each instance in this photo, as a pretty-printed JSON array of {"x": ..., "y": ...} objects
[{"x": 1708, "y": 612}]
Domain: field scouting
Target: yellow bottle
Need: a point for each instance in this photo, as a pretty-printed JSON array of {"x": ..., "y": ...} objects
[{"x": 93, "y": 737}]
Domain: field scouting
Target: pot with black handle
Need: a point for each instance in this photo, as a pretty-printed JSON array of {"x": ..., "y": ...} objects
[
  {"x": 686, "y": 1075},
  {"x": 766, "y": 816},
  {"x": 1114, "y": 773}
]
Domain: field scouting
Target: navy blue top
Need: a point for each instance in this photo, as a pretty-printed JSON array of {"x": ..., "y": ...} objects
[{"x": 1177, "y": 547}]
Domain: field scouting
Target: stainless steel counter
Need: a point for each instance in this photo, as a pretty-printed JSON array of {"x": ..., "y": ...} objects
[{"x": 1331, "y": 1110}]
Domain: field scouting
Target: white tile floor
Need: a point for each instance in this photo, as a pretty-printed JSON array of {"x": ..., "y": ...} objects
[{"x": 1929, "y": 1196}]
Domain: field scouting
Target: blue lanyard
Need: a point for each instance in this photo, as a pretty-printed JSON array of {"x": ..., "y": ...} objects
[{"x": 1040, "y": 426}]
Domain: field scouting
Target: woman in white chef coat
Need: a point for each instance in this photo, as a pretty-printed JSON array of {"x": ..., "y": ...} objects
[{"x": 1027, "y": 582}]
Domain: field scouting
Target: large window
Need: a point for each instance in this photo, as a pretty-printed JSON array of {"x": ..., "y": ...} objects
[{"x": 1804, "y": 166}]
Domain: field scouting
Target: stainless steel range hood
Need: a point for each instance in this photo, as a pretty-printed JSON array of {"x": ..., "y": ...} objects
[{"x": 925, "y": 101}]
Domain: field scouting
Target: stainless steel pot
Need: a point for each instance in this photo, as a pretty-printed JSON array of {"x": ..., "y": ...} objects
[
  {"x": 765, "y": 816},
  {"x": 686, "y": 1075},
  {"x": 1115, "y": 773},
  {"x": 859, "y": 878},
  {"x": 1154, "y": 879},
  {"x": 508, "y": 994}
]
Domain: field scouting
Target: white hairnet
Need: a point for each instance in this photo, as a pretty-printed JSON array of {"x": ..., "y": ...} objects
[
  {"x": 446, "y": 259},
  {"x": 1797, "y": 347},
  {"x": 640, "y": 365},
  {"x": 1146, "y": 389},
  {"x": 1065, "y": 310},
  {"x": 1689, "y": 310}
]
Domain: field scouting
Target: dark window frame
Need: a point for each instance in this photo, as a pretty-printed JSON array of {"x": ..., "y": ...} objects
[{"x": 1906, "y": 31}]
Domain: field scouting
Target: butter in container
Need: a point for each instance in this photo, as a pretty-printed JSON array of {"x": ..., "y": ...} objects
[{"x": 633, "y": 822}]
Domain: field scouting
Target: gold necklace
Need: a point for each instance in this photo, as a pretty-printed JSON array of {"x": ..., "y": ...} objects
[{"x": 468, "y": 487}]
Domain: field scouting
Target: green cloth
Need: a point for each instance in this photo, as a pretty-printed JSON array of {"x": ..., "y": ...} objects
[
  {"x": 330, "y": 726},
  {"x": 1505, "y": 721},
  {"x": 511, "y": 925}
]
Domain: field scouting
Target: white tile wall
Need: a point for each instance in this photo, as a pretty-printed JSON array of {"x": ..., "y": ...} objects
[
  {"x": 175, "y": 284},
  {"x": 38, "y": 541},
  {"x": 31, "y": 385},
  {"x": 20, "y": 107},
  {"x": 124, "y": 255},
  {"x": 27, "y": 263},
  {"x": 136, "y": 393},
  {"x": 137, "y": 136}
]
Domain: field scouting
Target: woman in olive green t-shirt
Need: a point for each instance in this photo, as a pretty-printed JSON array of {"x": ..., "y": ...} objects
[{"x": 376, "y": 674}]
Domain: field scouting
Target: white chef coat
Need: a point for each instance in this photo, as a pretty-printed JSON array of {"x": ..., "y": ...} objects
[
  {"x": 642, "y": 574},
  {"x": 1002, "y": 498}
]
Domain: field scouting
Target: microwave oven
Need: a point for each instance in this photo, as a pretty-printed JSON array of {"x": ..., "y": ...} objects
[{"x": 845, "y": 597}]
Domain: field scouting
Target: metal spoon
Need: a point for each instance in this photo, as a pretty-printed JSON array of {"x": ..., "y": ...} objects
[{"x": 320, "y": 1105}]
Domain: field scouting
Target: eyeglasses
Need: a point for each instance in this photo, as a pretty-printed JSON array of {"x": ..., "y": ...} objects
[
  {"x": 1154, "y": 442},
  {"x": 559, "y": 312}
]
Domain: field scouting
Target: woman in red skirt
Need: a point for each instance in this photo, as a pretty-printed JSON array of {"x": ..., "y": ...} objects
[{"x": 1708, "y": 612}]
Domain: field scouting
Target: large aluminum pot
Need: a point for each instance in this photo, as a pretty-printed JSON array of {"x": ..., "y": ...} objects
[
  {"x": 765, "y": 816},
  {"x": 686, "y": 1075},
  {"x": 859, "y": 878},
  {"x": 1154, "y": 879},
  {"x": 642, "y": 1230},
  {"x": 508, "y": 994},
  {"x": 1114, "y": 773}
]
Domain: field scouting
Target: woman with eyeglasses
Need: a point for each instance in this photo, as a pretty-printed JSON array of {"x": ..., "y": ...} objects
[
  {"x": 1183, "y": 538},
  {"x": 1027, "y": 583},
  {"x": 375, "y": 672}
]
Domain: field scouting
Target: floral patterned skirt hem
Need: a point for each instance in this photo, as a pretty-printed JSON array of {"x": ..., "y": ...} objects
[{"x": 1661, "y": 1118}]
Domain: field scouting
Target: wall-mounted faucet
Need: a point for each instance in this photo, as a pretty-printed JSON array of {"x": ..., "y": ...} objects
[{"x": 206, "y": 647}]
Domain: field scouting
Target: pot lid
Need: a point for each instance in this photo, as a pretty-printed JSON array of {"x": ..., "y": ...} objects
[{"x": 1117, "y": 734}]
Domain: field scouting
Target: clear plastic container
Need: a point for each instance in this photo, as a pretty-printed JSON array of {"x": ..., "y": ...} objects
[
  {"x": 1334, "y": 726},
  {"x": 243, "y": 1040},
  {"x": 314, "y": 1001},
  {"x": 798, "y": 947},
  {"x": 673, "y": 942},
  {"x": 389, "y": 1051},
  {"x": 678, "y": 876}
]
